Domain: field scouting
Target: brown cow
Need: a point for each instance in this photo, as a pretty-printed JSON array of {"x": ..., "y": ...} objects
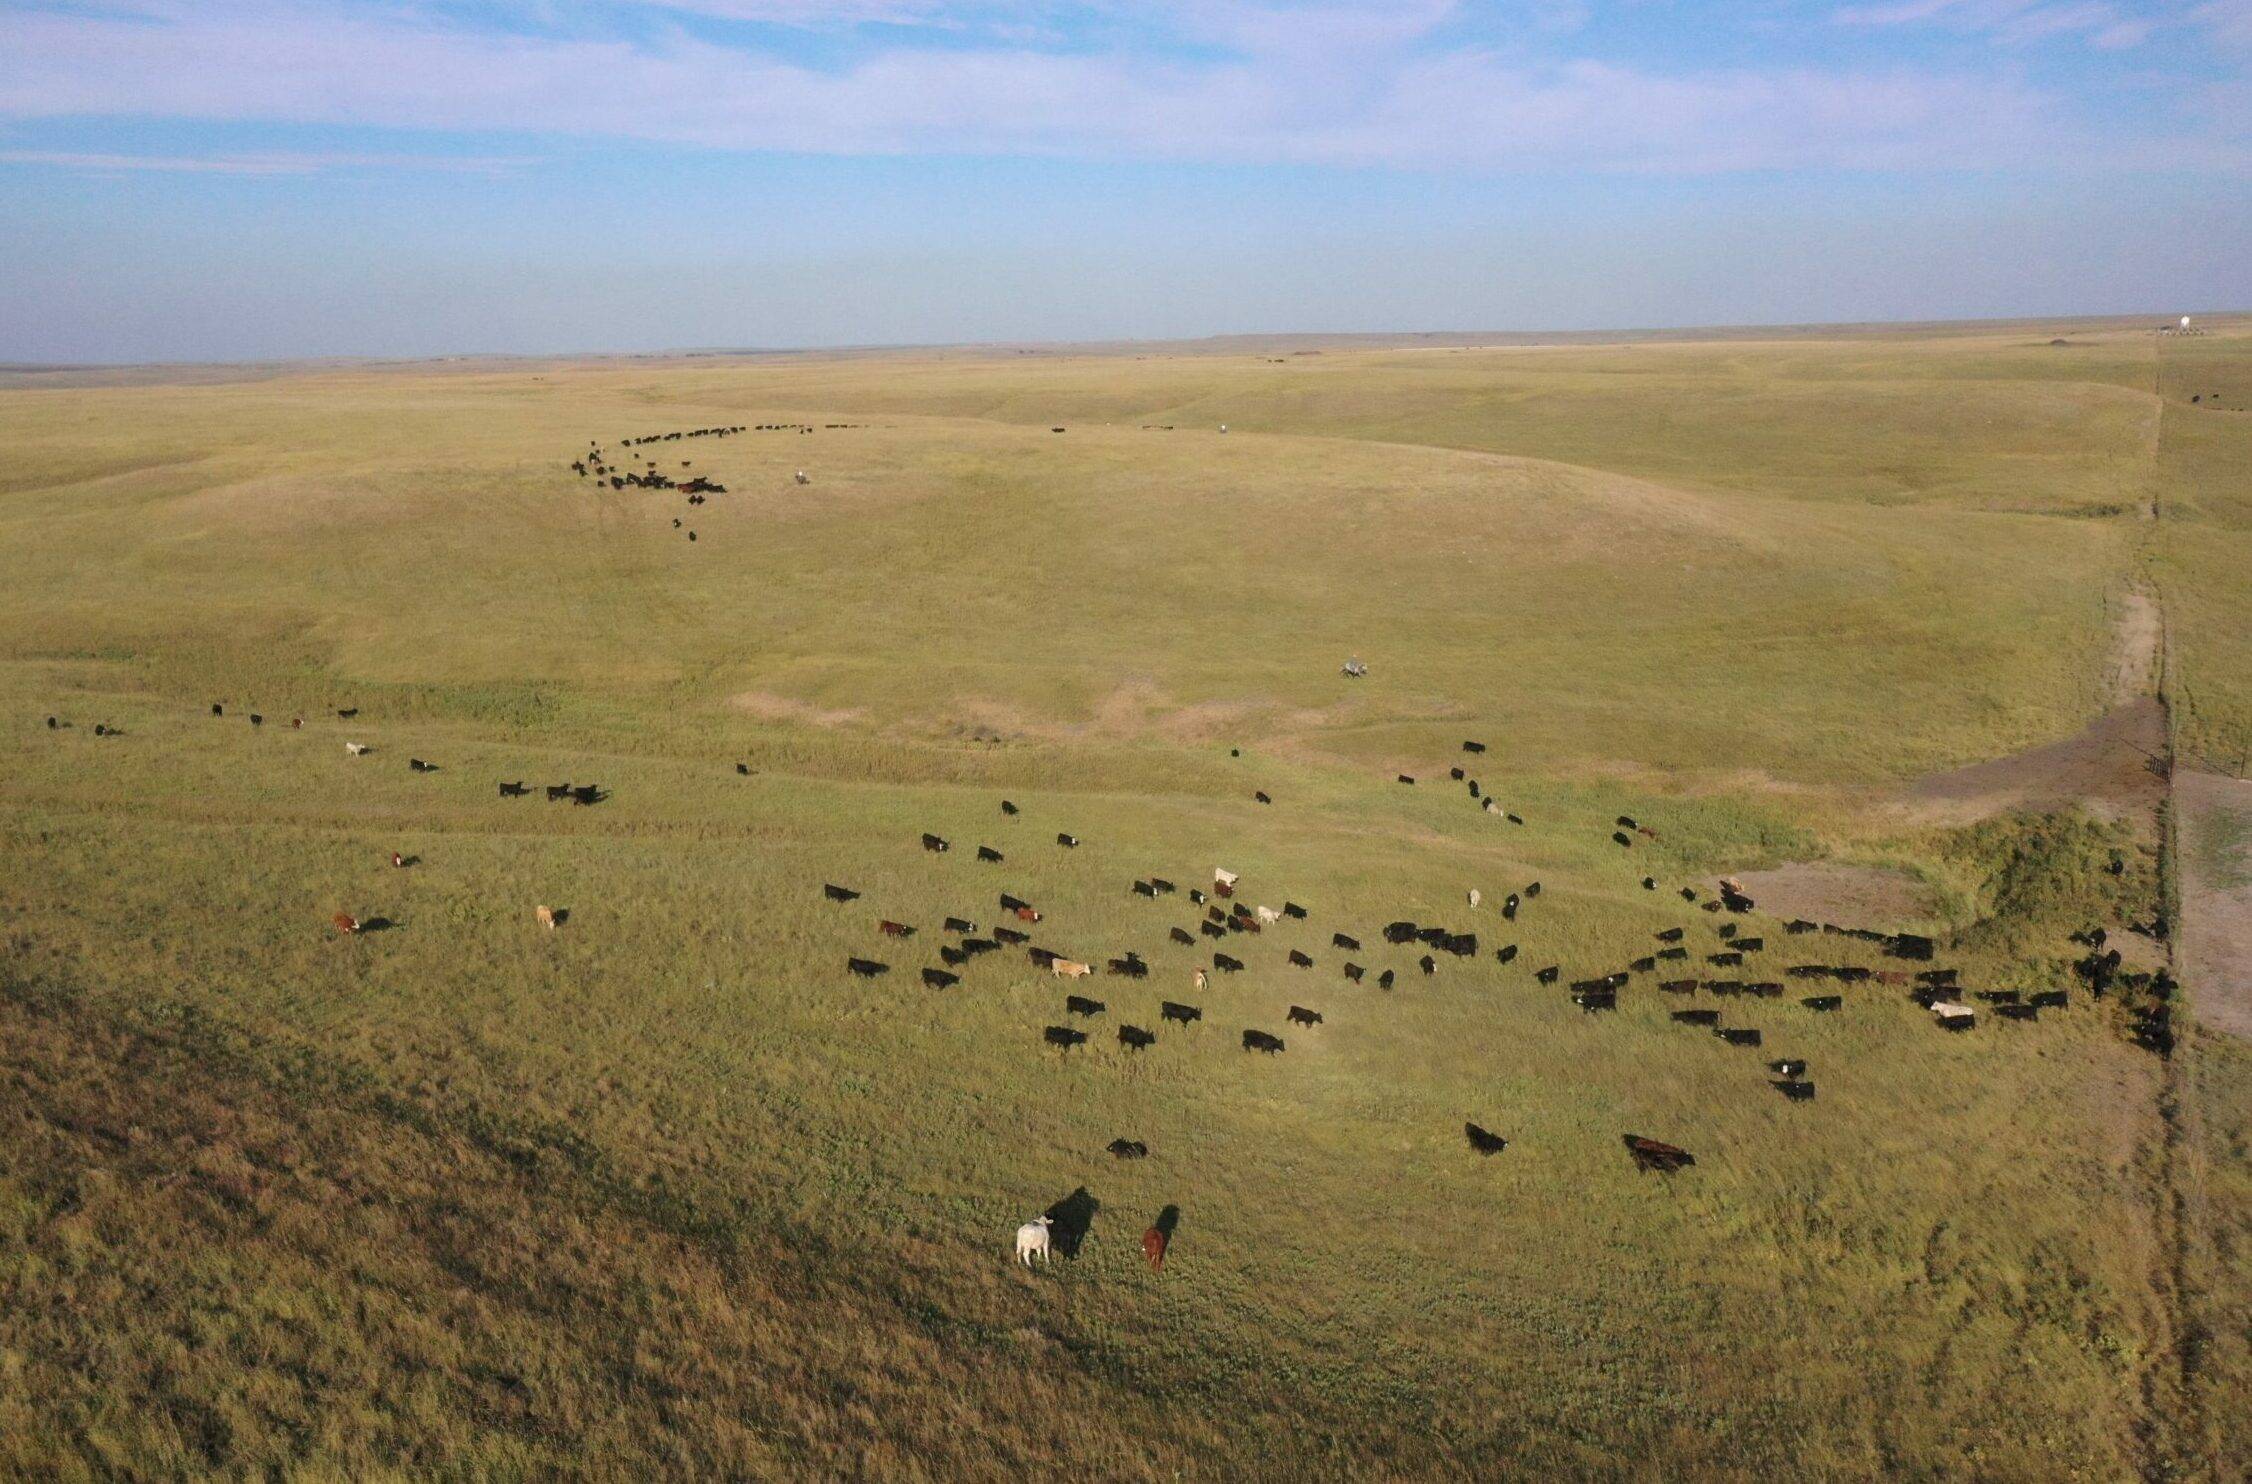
[
  {"x": 346, "y": 923},
  {"x": 1154, "y": 1243}
]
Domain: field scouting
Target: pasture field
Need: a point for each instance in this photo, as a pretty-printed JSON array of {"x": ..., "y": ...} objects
[{"x": 667, "y": 1191}]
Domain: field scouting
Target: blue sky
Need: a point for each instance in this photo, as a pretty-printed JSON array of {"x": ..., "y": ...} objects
[{"x": 226, "y": 179}]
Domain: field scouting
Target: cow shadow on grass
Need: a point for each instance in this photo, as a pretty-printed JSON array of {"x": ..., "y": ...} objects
[
  {"x": 377, "y": 925},
  {"x": 1071, "y": 1219},
  {"x": 1167, "y": 1220}
]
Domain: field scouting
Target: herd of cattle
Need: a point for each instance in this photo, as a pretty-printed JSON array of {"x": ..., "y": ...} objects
[
  {"x": 606, "y": 468},
  {"x": 1221, "y": 920}
]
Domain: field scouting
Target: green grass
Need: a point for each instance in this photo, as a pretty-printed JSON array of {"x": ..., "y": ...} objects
[{"x": 668, "y": 1191}]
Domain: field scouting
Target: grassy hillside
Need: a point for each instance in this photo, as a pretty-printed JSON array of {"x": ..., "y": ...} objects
[{"x": 668, "y": 1189}]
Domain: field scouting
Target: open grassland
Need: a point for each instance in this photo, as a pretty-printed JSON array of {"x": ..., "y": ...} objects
[{"x": 666, "y": 1189}]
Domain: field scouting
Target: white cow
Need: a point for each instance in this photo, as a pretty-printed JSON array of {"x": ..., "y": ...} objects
[
  {"x": 1224, "y": 878},
  {"x": 1032, "y": 1240},
  {"x": 357, "y": 749},
  {"x": 1269, "y": 916},
  {"x": 1473, "y": 896}
]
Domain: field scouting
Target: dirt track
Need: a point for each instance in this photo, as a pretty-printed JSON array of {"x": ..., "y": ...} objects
[{"x": 2216, "y": 929}]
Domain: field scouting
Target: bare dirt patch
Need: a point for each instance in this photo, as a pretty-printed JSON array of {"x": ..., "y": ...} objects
[
  {"x": 2134, "y": 664},
  {"x": 2215, "y": 937},
  {"x": 1848, "y": 896},
  {"x": 2115, "y": 768}
]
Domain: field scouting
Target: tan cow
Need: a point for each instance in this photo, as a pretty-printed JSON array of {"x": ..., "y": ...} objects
[
  {"x": 1064, "y": 968},
  {"x": 546, "y": 915}
]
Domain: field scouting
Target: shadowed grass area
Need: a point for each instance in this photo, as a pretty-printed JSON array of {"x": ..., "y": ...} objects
[{"x": 667, "y": 1189}]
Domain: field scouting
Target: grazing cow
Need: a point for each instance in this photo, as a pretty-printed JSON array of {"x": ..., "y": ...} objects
[
  {"x": 940, "y": 979},
  {"x": 1293, "y": 910},
  {"x": 1300, "y": 1015},
  {"x": 216, "y": 710},
  {"x": 840, "y": 893},
  {"x": 1474, "y": 898},
  {"x": 954, "y": 957},
  {"x": 255, "y": 720},
  {"x": 1728, "y": 987},
  {"x": 1002, "y": 935},
  {"x": 515, "y": 790},
  {"x": 1063, "y": 1037},
  {"x": 1428, "y": 965},
  {"x": 1725, "y": 960},
  {"x": 297, "y": 723},
  {"x": 1339, "y": 940},
  {"x": 1473, "y": 788},
  {"x": 1299, "y": 960},
  {"x": 1649, "y": 883},
  {"x": 1798, "y": 926},
  {"x": 1688, "y": 894},
  {"x": 1999, "y": 996},
  {"x": 400, "y": 862},
  {"x": 547, "y": 917},
  {"x": 1211, "y": 930},
  {"x": 1644, "y": 965},
  {"x": 1678, "y": 986},
  {"x": 1354, "y": 972},
  {"x": 1080, "y": 1005},
  {"x": 1788, "y": 1068},
  {"x": 1593, "y": 1000},
  {"x": 1513, "y": 818},
  {"x": 959, "y": 925},
  {"x": 346, "y": 923},
  {"x": 418, "y": 765},
  {"x": 1183, "y": 1014},
  {"x": 1064, "y": 968},
  {"x": 1455, "y": 774},
  {"x": 988, "y": 855},
  {"x": 1509, "y": 908},
  {"x": 1231, "y": 965},
  {"x": 1128, "y": 1149},
  {"x": 1267, "y": 916},
  {"x": 1483, "y": 1142},
  {"x": 1131, "y": 966},
  {"x": 743, "y": 769},
  {"x": 1697, "y": 1017},
  {"x": 1162, "y": 885},
  {"x": 1726, "y": 930},
  {"x": 1384, "y": 980},
  {"x": 1182, "y": 935},
  {"x": 2018, "y": 1012},
  {"x": 588, "y": 794},
  {"x": 1027, "y": 914},
  {"x": 1473, "y": 747},
  {"x": 867, "y": 968},
  {"x": 892, "y": 929},
  {"x": 1673, "y": 955},
  {"x": 557, "y": 792},
  {"x": 1044, "y": 957},
  {"x": 1650, "y": 1155},
  {"x": 1548, "y": 975},
  {"x": 1261, "y": 1041},
  {"x": 1399, "y": 932},
  {"x": 1749, "y": 945},
  {"x": 934, "y": 844},
  {"x": 1068, "y": 842},
  {"x": 1621, "y": 838},
  {"x": 1198, "y": 897},
  {"x": 1823, "y": 1002},
  {"x": 1796, "y": 1091},
  {"x": 1154, "y": 1243},
  {"x": 1200, "y": 978},
  {"x": 1007, "y": 807},
  {"x": 1262, "y": 798},
  {"x": 2049, "y": 999},
  {"x": 1405, "y": 779},
  {"x": 1134, "y": 1038},
  {"x": 1738, "y": 1036},
  {"x": 1507, "y": 953},
  {"x": 1032, "y": 1237},
  {"x": 1010, "y": 904},
  {"x": 1224, "y": 878},
  {"x": 1937, "y": 976},
  {"x": 1144, "y": 889},
  {"x": 1765, "y": 991}
]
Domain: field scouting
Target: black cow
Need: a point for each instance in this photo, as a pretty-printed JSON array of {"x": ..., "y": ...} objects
[
  {"x": 1650, "y": 1155},
  {"x": 1144, "y": 889},
  {"x": 1428, "y": 965},
  {"x": 1513, "y": 818},
  {"x": 419, "y": 766},
  {"x": 586, "y": 794},
  {"x": 1823, "y": 1002},
  {"x": 1012, "y": 904},
  {"x": 1161, "y": 884},
  {"x": 1726, "y": 930},
  {"x": 1384, "y": 980},
  {"x": 1796, "y": 1091},
  {"x": 743, "y": 770},
  {"x": 1261, "y": 1041},
  {"x": 1405, "y": 779},
  {"x": 1182, "y": 935},
  {"x": 1128, "y": 1148},
  {"x": 1231, "y": 965},
  {"x": 1183, "y": 1013},
  {"x": 348, "y": 712},
  {"x": 954, "y": 957},
  {"x": 1461, "y": 945},
  {"x": 1300, "y": 1015},
  {"x": 1211, "y": 930},
  {"x": 1399, "y": 932},
  {"x": 982, "y": 945},
  {"x": 1621, "y": 838},
  {"x": 1081, "y": 1005},
  {"x": 1063, "y": 1037},
  {"x": 960, "y": 925},
  {"x": 2018, "y": 1012},
  {"x": 840, "y": 894},
  {"x": 1473, "y": 747},
  {"x": 1725, "y": 960},
  {"x": 255, "y": 720},
  {"x": 1044, "y": 957},
  {"x": 1134, "y": 1038},
  {"x": 1011, "y": 935},
  {"x": 1292, "y": 909},
  {"x": 1999, "y": 996},
  {"x": 1724, "y": 986},
  {"x": 1354, "y": 972},
  {"x": 1505, "y": 954},
  {"x": 1483, "y": 1142},
  {"x": 1594, "y": 1000},
  {"x": 989, "y": 855},
  {"x": 934, "y": 844},
  {"x": 1532, "y": 891},
  {"x": 1765, "y": 991},
  {"x": 515, "y": 790},
  {"x": 1738, "y": 1036},
  {"x": 940, "y": 979},
  {"x": 1672, "y": 955},
  {"x": 867, "y": 968},
  {"x": 1131, "y": 966},
  {"x": 1548, "y": 975},
  {"x": 1649, "y": 883},
  {"x": 1750, "y": 945},
  {"x": 1339, "y": 940},
  {"x": 1455, "y": 774},
  {"x": 1644, "y": 965},
  {"x": 1626, "y": 822},
  {"x": 557, "y": 792},
  {"x": 216, "y": 710},
  {"x": 2049, "y": 999},
  {"x": 1787, "y": 1068},
  {"x": 1509, "y": 908},
  {"x": 1697, "y": 1017},
  {"x": 1937, "y": 977},
  {"x": 1678, "y": 986},
  {"x": 1262, "y": 798},
  {"x": 1798, "y": 926},
  {"x": 1007, "y": 807},
  {"x": 1300, "y": 960},
  {"x": 1068, "y": 842}
]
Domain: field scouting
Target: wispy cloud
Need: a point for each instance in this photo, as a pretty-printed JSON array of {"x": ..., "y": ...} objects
[
  {"x": 1338, "y": 82},
  {"x": 260, "y": 163}
]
